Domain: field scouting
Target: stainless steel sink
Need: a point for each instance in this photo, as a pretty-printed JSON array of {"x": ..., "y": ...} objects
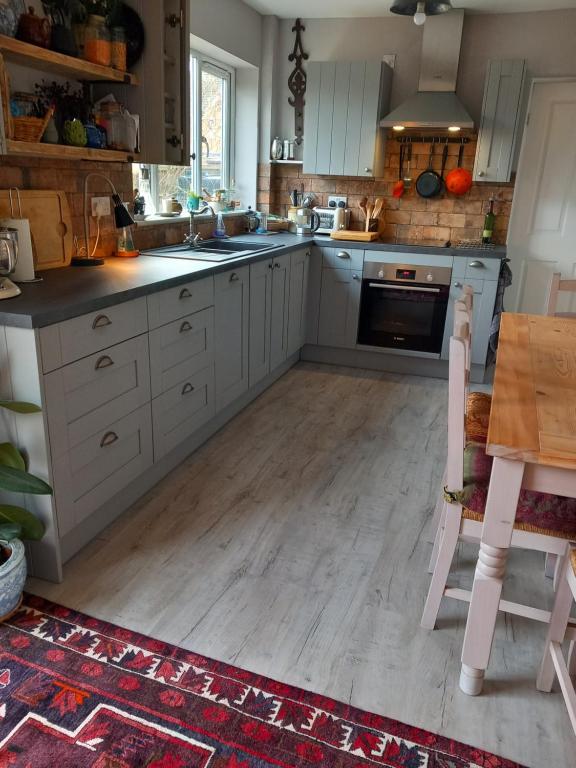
[{"x": 211, "y": 250}]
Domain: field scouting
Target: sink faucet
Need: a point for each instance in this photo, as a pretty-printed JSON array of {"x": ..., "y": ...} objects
[{"x": 193, "y": 238}]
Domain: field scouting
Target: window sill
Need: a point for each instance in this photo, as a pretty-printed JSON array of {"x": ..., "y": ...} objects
[{"x": 184, "y": 218}]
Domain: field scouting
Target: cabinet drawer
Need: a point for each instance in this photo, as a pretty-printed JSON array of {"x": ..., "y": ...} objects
[
  {"x": 90, "y": 392},
  {"x": 183, "y": 409},
  {"x": 181, "y": 349},
  {"x": 98, "y": 468},
  {"x": 74, "y": 339},
  {"x": 173, "y": 303},
  {"x": 477, "y": 268},
  {"x": 343, "y": 258}
]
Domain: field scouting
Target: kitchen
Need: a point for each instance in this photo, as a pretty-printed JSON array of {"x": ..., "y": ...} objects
[{"x": 245, "y": 436}]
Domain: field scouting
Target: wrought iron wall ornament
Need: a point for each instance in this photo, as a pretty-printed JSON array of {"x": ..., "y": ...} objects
[{"x": 297, "y": 82}]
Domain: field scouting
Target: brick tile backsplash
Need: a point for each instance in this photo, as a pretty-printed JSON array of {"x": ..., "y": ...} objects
[
  {"x": 68, "y": 176},
  {"x": 444, "y": 218}
]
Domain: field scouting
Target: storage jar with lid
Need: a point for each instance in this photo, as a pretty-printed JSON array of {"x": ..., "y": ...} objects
[
  {"x": 97, "y": 41},
  {"x": 119, "y": 48}
]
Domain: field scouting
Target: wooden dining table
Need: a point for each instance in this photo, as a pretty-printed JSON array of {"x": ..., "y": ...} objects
[{"x": 532, "y": 437}]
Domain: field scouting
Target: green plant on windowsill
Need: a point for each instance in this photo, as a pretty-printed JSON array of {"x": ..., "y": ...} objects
[{"x": 16, "y": 523}]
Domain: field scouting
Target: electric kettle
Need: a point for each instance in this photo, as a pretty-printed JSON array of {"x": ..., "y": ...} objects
[
  {"x": 307, "y": 221},
  {"x": 8, "y": 261}
]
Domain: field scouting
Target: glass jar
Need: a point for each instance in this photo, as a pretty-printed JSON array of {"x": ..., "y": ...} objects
[
  {"x": 98, "y": 42},
  {"x": 119, "y": 48},
  {"x": 113, "y": 120}
]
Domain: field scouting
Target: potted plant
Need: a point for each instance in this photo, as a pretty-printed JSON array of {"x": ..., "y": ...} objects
[{"x": 16, "y": 523}]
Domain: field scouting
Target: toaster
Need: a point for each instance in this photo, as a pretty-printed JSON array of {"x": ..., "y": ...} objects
[{"x": 332, "y": 218}]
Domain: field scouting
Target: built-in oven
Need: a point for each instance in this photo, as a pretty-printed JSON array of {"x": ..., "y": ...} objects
[{"x": 403, "y": 307}]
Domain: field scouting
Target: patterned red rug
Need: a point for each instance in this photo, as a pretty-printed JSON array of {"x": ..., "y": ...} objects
[{"x": 78, "y": 692}]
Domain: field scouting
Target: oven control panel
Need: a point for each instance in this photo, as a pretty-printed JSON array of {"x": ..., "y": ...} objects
[{"x": 407, "y": 273}]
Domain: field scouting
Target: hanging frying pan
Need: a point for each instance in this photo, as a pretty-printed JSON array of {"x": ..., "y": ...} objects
[
  {"x": 459, "y": 181},
  {"x": 429, "y": 183}
]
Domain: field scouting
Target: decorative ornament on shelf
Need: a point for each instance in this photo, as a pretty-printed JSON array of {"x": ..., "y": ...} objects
[
  {"x": 420, "y": 9},
  {"x": 297, "y": 81}
]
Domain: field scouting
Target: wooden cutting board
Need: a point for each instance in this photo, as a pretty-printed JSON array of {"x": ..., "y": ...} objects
[
  {"x": 351, "y": 234},
  {"x": 50, "y": 224}
]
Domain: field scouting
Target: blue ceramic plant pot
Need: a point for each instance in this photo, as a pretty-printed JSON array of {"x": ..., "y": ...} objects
[{"x": 12, "y": 576}]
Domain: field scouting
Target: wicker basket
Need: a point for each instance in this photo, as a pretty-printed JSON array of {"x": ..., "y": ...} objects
[{"x": 30, "y": 128}]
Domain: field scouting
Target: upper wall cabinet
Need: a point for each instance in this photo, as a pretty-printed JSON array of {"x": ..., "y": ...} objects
[
  {"x": 500, "y": 123},
  {"x": 344, "y": 104},
  {"x": 163, "y": 100}
]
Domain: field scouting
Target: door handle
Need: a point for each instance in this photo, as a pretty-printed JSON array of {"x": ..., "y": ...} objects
[
  {"x": 103, "y": 362},
  {"x": 477, "y": 264},
  {"x": 101, "y": 322},
  {"x": 187, "y": 388},
  {"x": 185, "y": 294},
  {"x": 108, "y": 439},
  {"x": 355, "y": 277},
  {"x": 185, "y": 327},
  {"x": 234, "y": 277},
  {"x": 412, "y": 289},
  {"x": 277, "y": 265},
  {"x": 343, "y": 255}
]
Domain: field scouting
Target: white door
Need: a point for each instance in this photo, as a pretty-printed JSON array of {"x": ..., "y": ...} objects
[{"x": 542, "y": 236}]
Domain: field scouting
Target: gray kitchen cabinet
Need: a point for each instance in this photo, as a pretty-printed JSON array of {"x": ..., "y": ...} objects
[
  {"x": 298, "y": 300},
  {"x": 339, "y": 307},
  {"x": 279, "y": 310},
  {"x": 260, "y": 317},
  {"x": 232, "y": 319},
  {"x": 500, "y": 123},
  {"x": 313, "y": 295},
  {"x": 344, "y": 104}
]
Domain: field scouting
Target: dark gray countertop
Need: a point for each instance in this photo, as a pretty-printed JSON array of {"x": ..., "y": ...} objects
[{"x": 72, "y": 291}]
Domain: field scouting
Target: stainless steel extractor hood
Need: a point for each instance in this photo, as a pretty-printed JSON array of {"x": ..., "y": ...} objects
[{"x": 436, "y": 104}]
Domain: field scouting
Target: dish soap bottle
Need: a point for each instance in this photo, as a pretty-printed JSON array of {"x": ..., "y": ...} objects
[{"x": 220, "y": 230}]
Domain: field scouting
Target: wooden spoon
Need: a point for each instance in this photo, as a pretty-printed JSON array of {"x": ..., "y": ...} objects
[
  {"x": 362, "y": 205},
  {"x": 369, "y": 212},
  {"x": 378, "y": 205}
]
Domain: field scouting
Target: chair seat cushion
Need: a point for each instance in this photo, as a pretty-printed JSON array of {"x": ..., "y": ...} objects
[
  {"x": 538, "y": 512},
  {"x": 478, "y": 407}
]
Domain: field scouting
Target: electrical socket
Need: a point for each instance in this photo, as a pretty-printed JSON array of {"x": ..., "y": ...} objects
[{"x": 100, "y": 206}]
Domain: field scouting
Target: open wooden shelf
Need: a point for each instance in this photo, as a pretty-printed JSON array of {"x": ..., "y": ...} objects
[
  {"x": 59, "y": 64},
  {"x": 62, "y": 152}
]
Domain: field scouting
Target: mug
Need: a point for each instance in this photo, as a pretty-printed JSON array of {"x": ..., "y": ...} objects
[{"x": 171, "y": 205}]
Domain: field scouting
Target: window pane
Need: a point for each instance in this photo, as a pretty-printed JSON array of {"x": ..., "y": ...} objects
[
  {"x": 173, "y": 181},
  {"x": 213, "y": 130}
]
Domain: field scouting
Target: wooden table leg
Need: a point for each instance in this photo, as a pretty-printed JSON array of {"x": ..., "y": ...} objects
[{"x": 503, "y": 493}]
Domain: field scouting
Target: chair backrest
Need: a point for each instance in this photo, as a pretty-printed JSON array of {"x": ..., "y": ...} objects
[
  {"x": 457, "y": 393},
  {"x": 463, "y": 313},
  {"x": 558, "y": 286}
]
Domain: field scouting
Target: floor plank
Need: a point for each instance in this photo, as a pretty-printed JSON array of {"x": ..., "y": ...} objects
[{"x": 295, "y": 544}]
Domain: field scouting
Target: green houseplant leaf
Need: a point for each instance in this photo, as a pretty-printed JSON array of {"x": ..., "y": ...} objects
[
  {"x": 28, "y": 524},
  {"x": 22, "y": 482},
  {"x": 10, "y": 456},
  {"x": 13, "y": 405},
  {"x": 9, "y": 531}
]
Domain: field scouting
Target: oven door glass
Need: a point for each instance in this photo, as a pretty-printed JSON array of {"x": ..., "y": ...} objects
[{"x": 403, "y": 315}]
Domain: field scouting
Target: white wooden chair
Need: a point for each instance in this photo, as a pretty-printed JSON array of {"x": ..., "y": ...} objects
[
  {"x": 462, "y": 523},
  {"x": 463, "y": 313},
  {"x": 557, "y": 287},
  {"x": 553, "y": 662}
]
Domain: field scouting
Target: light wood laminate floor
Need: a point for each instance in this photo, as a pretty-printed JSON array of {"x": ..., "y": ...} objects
[{"x": 295, "y": 544}]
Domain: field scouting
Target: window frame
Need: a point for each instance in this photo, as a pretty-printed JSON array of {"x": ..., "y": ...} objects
[{"x": 199, "y": 61}]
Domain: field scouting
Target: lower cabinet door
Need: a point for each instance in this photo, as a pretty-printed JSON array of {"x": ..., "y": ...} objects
[
  {"x": 102, "y": 465},
  {"x": 279, "y": 316},
  {"x": 232, "y": 316},
  {"x": 260, "y": 317},
  {"x": 183, "y": 409},
  {"x": 298, "y": 300},
  {"x": 339, "y": 308}
]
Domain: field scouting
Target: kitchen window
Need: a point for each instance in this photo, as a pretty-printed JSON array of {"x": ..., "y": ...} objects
[{"x": 211, "y": 151}]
